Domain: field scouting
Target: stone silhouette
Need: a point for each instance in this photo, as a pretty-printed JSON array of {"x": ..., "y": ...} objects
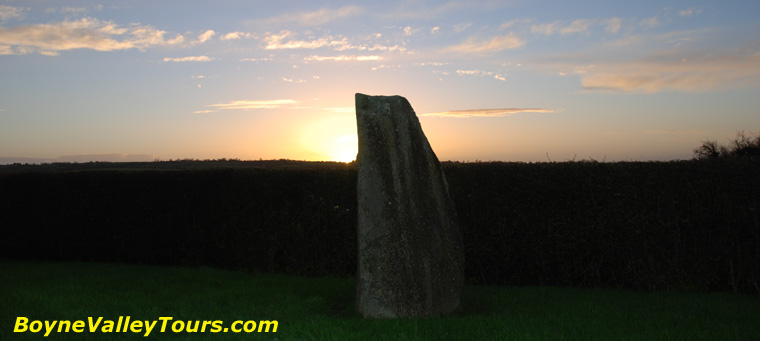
[{"x": 410, "y": 253}]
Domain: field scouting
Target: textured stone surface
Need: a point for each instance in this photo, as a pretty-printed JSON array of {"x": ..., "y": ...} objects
[{"x": 410, "y": 254}]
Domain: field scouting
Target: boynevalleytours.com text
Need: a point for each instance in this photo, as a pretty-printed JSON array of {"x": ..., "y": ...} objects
[{"x": 125, "y": 324}]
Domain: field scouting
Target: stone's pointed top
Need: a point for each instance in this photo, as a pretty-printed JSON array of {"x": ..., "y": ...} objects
[
  {"x": 360, "y": 97},
  {"x": 395, "y": 105}
]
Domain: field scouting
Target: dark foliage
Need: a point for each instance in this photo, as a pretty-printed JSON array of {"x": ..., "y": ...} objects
[
  {"x": 643, "y": 225},
  {"x": 741, "y": 146}
]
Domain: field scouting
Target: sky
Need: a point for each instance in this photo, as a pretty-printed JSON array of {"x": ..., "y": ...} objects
[{"x": 508, "y": 80}]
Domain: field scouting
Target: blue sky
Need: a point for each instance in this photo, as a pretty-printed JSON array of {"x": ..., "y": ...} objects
[{"x": 490, "y": 80}]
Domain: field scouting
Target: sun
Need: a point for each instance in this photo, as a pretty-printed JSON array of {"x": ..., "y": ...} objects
[
  {"x": 344, "y": 148},
  {"x": 331, "y": 138}
]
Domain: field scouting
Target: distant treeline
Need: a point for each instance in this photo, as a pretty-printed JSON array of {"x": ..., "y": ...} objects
[{"x": 644, "y": 225}]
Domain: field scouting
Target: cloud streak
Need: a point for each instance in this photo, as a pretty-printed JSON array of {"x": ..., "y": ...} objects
[
  {"x": 85, "y": 33},
  {"x": 699, "y": 75},
  {"x": 487, "y": 112},
  {"x": 495, "y": 44},
  {"x": 188, "y": 59},
  {"x": 312, "y": 18},
  {"x": 255, "y": 104},
  {"x": 342, "y": 58}
]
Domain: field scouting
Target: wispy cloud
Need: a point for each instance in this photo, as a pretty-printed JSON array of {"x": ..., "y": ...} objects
[
  {"x": 312, "y": 18},
  {"x": 189, "y": 59},
  {"x": 674, "y": 131},
  {"x": 462, "y": 27},
  {"x": 650, "y": 22},
  {"x": 473, "y": 72},
  {"x": 290, "y": 80},
  {"x": 255, "y": 59},
  {"x": 237, "y": 35},
  {"x": 423, "y": 10},
  {"x": 690, "y": 12},
  {"x": 10, "y": 12},
  {"x": 86, "y": 33},
  {"x": 695, "y": 75},
  {"x": 206, "y": 36},
  {"x": 342, "y": 58},
  {"x": 74, "y": 10},
  {"x": 613, "y": 25},
  {"x": 498, "y": 43},
  {"x": 280, "y": 41},
  {"x": 513, "y": 22},
  {"x": 577, "y": 26},
  {"x": 255, "y": 104},
  {"x": 487, "y": 112},
  {"x": 545, "y": 29}
]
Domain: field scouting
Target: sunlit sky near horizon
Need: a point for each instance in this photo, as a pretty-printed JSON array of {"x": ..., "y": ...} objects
[{"x": 489, "y": 80}]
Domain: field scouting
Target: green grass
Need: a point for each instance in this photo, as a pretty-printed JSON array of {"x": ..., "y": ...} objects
[{"x": 323, "y": 308}]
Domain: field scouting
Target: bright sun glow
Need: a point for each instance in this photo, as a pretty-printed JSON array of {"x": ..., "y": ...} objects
[
  {"x": 344, "y": 148},
  {"x": 331, "y": 138}
]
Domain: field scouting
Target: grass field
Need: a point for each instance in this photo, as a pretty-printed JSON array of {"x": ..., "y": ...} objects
[{"x": 323, "y": 308}]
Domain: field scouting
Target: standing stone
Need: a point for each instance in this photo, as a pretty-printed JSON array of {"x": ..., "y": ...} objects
[{"x": 411, "y": 259}]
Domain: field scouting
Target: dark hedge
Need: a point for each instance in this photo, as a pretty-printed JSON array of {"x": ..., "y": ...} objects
[{"x": 689, "y": 225}]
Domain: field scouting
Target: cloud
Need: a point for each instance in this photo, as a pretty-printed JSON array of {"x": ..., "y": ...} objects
[
  {"x": 435, "y": 30},
  {"x": 74, "y": 10},
  {"x": 203, "y": 111},
  {"x": 685, "y": 75},
  {"x": 86, "y": 33},
  {"x": 487, "y": 112},
  {"x": 342, "y": 58},
  {"x": 313, "y": 18},
  {"x": 290, "y": 80},
  {"x": 650, "y": 22},
  {"x": 498, "y": 43},
  {"x": 206, "y": 36},
  {"x": 424, "y": 10},
  {"x": 674, "y": 131},
  {"x": 67, "y": 9},
  {"x": 474, "y": 72},
  {"x": 236, "y": 35},
  {"x": 545, "y": 29},
  {"x": 500, "y": 77},
  {"x": 257, "y": 104},
  {"x": 255, "y": 59},
  {"x": 277, "y": 41},
  {"x": 10, "y": 12},
  {"x": 613, "y": 25},
  {"x": 690, "y": 12},
  {"x": 577, "y": 26},
  {"x": 513, "y": 22},
  {"x": 284, "y": 40},
  {"x": 462, "y": 27},
  {"x": 189, "y": 59}
]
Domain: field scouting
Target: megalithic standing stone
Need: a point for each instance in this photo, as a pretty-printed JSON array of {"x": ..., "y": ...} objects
[{"x": 410, "y": 253}]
